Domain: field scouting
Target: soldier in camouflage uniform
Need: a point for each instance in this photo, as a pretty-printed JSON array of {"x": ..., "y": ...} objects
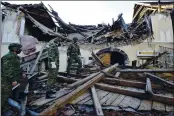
[
  {"x": 73, "y": 53},
  {"x": 53, "y": 59},
  {"x": 11, "y": 73}
]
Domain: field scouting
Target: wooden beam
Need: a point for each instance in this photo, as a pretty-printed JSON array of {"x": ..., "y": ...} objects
[
  {"x": 145, "y": 70},
  {"x": 96, "y": 102},
  {"x": 149, "y": 87},
  {"x": 115, "y": 89},
  {"x": 51, "y": 110},
  {"x": 65, "y": 79},
  {"x": 72, "y": 75},
  {"x": 126, "y": 83},
  {"x": 142, "y": 13},
  {"x": 80, "y": 82},
  {"x": 162, "y": 81},
  {"x": 123, "y": 83},
  {"x": 149, "y": 61},
  {"x": 136, "y": 84},
  {"x": 163, "y": 99},
  {"x": 137, "y": 94},
  {"x": 137, "y": 12},
  {"x": 97, "y": 59}
]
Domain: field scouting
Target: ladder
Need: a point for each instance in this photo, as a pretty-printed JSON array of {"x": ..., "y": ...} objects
[{"x": 166, "y": 61}]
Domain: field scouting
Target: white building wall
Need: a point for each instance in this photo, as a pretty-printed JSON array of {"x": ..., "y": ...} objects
[
  {"x": 10, "y": 27},
  {"x": 162, "y": 28}
]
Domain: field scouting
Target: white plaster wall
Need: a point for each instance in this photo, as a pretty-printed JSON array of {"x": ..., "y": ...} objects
[
  {"x": 162, "y": 28},
  {"x": 9, "y": 28},
  {"x": 132, "y": 50}
]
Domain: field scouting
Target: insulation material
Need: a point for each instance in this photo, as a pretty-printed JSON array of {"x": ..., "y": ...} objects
[{"x": 28, "y": 44}]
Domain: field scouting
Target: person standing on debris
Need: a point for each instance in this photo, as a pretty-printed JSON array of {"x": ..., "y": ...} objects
[
  {"x": 73, "y": 53},
  {"x": 11, "y": 73},
  {"x": 53, "y": 59}
]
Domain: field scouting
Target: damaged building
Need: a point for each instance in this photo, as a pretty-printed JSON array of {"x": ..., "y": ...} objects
[{"x": 144, "y": 87}]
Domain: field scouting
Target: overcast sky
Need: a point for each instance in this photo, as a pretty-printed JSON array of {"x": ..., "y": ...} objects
[{"x": 89, "y": 12}]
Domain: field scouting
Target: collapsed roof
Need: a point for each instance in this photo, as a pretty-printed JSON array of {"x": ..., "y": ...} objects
[
  {"x": 118, "y": 34},
  {"x": 147, "y": 8}
]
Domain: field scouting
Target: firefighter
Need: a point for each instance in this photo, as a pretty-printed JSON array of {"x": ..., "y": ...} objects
[
  {"x": 73, "y": 53},
  {"x": 11, "y": 73},
  {"x": 53, "y": 60}
]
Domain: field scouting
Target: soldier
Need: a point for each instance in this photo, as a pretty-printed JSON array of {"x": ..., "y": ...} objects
[
  {"x": 11, "y": 73},
  {"x": 73, "y": 53},
  {"x": 53, "y": 59}
]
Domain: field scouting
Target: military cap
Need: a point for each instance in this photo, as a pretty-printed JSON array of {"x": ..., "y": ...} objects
[{"x": 14, "y": 45}]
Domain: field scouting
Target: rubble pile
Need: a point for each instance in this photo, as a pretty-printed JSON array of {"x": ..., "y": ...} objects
[
  {"x": 118, "y": 34},
  {"x": 120, "y": 91},
  {"x": 100, "y": 89}
]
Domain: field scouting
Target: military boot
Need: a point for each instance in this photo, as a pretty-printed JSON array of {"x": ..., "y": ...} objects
[
  {"x": 78, "y": 72},
  {"x": 50, "y": 95}
]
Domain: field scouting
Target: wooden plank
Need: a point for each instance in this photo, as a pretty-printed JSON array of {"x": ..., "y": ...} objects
[
  {"x": 43, "y": 100},
  {"x": 149, "y": 61},
  {"x": 96, "y": 102},
  {"x": 130, "y": 102},
  {"x": 88, "y": 98},
  {"x": 89, "y": 102},
  {"x": 131, "y": 92},
  {"x": 145, "y": 105},
  {"x": 162, "y": 81},
  {"x": 80, "y": 82},
  {"x": 38, "y": 58},
  {"x": 169, "y": 108},
  {"x": 145, "y": 70},
  {"x": 105, "y": 98},
  {"x": 82, "y": 97},
  {"x": 101, "y": 94},
  {"x": 136, "y": 93},
  {"x": 136, "y": 84},
  {"x": 85, "y": 100},
  {"x": 122, "y": 82},
  {"x": 111, "y": 100},
  {"x": 65, "y": 79},
  {"x": 97, "y": 59},
  {"x": 158, "y": 106},
  {"x": 117, "y": 74},
  {"x": 72, "y": 75},
  {"x": 163, "y": 99},
  {"x": 149, "y": 87},
  {"x": 118, "y": 100}
]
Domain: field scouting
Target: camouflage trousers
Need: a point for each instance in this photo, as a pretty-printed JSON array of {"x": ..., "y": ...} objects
[
  {"x": 52, "y": 78},
  {"x": 6, "y": 90},
  {"x": 70, "y": 62}
]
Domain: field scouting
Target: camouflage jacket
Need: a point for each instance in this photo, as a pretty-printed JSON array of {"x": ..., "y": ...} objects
[
  {"x": 10, "y": 64},
  {"x": 53, "y": 52},
  {"x": 73, "y": 49}
]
